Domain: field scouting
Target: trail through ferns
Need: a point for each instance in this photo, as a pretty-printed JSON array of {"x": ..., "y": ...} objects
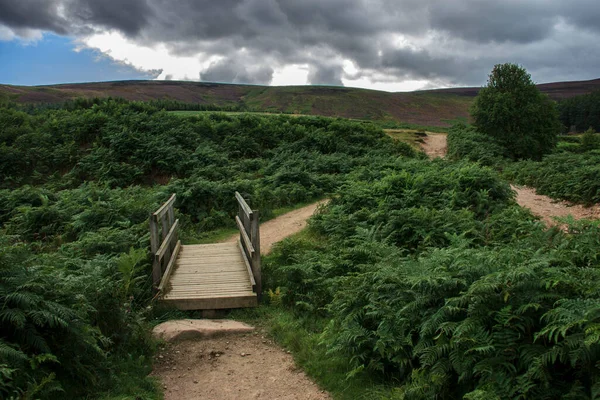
[
  {"x": 543, "y": 206},
  {"x": 277, "y": 229},
  {"x": 239, "y": 366},
  {"x": 227, "y": 367}
]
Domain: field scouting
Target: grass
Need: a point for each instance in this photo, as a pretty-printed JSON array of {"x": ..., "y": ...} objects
[
  {"x": 413, "y": 137},
  {"x": 302, "y": 338},
  {"x": 409, "y": 136},
  {"x": 386, "y": 125},
  {"x": 194, "y": 113},
  {"x": 221, "y": 234},
  {"x": 214, "y": 236}
]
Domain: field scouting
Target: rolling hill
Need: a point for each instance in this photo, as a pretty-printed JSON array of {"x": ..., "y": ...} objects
[{"x": 429, "y": 108}]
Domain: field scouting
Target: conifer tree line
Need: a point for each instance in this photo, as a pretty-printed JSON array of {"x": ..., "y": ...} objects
[{"x": 581, "y": 112}]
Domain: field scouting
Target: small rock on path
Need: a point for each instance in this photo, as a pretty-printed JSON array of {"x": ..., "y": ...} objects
[
  {"x": 227, "y": 364},
  {"x": 183, "y": 329}
]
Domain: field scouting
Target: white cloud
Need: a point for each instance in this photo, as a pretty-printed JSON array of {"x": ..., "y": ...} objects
[
  {"x": 398, "y": 86},
  {"x": 25, "y": 36},
  {"x": 290, "y": 75},
  {"x": 175, "y": 67},
  {"x": 378, "y": 44},
  {"x": 145, "y": 58},
  {"x": 6, "y": 34}
]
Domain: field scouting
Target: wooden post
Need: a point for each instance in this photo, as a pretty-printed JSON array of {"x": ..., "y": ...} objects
[
  {"x": 241, "y": 215},
  {"x": 164, "y": 222},
  {"x": 154, "y": 245},
  {"x": 171, "y": 215},
  {"x": 255, "y": 237},
  {"x": 248, "y": 222},
  {"x": 166, "y": 214}
]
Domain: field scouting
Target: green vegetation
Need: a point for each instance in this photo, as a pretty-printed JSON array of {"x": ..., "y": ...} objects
[
  {"x": 416, "y": 108},
  {"x": 521, "y": 123},
  {"x": 410, "y": 136},
  {"x": 568, "y": 175},
  {"x": 581, "y": 112},
  {"x": 571, "y": 172},
  {"x": 77, "y": 187},
  {"x": 419, "y": 280},
  {"x": 425, "y": 280},
  {"x": 466, "y": 143},
  {"x": 426, "y": 276},
  {"x": 513, "y": 112}
]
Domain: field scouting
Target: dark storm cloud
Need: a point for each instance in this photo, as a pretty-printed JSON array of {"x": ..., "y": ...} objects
[
  {"x": 508, "y": 20},
  {"x": 324, "y": 74},
  {"x": 128, "y": 16},
  {"x": 75, "y": 16},
  {"x": 585, "y": 14},
  {"x": 450, "y": 42},
  {"x": 231, "y": 71},
  {"x": 32, "y": 14}
]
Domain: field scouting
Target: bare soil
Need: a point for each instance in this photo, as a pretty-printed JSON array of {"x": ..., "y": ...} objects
[
  {"x": 247, "y": 366},
  {"x": 283, "y": 226},
  {"x": 540, "y": 205},
  {"x": 434, "y": 145},
  {"x": 547, "y": 208}
]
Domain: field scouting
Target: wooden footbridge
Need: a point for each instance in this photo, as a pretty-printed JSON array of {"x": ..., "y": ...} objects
[{"x": 206, "y": 276}]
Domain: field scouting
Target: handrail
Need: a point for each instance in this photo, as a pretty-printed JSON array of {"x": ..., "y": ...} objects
[
  {"x": 244, "y": 235},
  {"x": 170, "y": 266},
  {"x": 248, "y": 267},
  {"x": 164, "y": 243},
  {"x": 247, "y": 222},
  {"x": 243, "y": 204},
  {"x": 162, "y": 250},
  {"x": 165, "y": 207}
]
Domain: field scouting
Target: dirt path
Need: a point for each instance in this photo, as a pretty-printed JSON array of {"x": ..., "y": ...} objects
[
  {"x": 247, "y": 366},
  {"x": 542, "y": 206},
  {"x": 547, "y": 208},
  {"x": 283, "y": 226},
  {"x": 434, "y": 145}
]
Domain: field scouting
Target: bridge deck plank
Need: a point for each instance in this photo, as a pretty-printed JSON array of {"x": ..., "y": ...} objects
[{"x": 207, "y": 277}]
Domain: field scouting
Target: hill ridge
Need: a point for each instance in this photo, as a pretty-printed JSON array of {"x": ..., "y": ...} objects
[{"x": 435, "y": 107}]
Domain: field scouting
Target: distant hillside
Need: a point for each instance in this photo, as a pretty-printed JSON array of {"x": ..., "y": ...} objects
[
  {"x": 431, "y": 108},
  {"x": 556, "y": 90}
]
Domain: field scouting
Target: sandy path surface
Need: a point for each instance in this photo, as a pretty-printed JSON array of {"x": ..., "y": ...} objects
[
  {"x": 547, "y": 208},
  {"x": 248, "y": 366},
  {"x": 542, "y": 206},
  {"x": 434, "y": 145},
  {"x": 283, "y": 226}
]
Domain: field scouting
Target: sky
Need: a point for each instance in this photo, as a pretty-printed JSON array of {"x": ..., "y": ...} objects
[{"x": 392, "y": 45}]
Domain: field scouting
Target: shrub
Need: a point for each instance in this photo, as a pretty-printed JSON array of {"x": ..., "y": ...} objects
[
  {"x": 466, "y": 143},
  {"x": 512, "y": 110},
  {"x": 568, "y": 176},
  {"x": 431, "y": 279}
]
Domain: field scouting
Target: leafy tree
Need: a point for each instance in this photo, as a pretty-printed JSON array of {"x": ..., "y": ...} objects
[{"x": 512, "y": 110}]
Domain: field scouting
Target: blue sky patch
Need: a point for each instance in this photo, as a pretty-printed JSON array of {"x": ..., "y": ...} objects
[{"x": 53, "y": 60}]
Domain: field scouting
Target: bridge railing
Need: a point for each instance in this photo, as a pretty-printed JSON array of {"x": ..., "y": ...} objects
[
  {"x": 164, "y": 243},
  {"x": 247, "y": 222}
]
